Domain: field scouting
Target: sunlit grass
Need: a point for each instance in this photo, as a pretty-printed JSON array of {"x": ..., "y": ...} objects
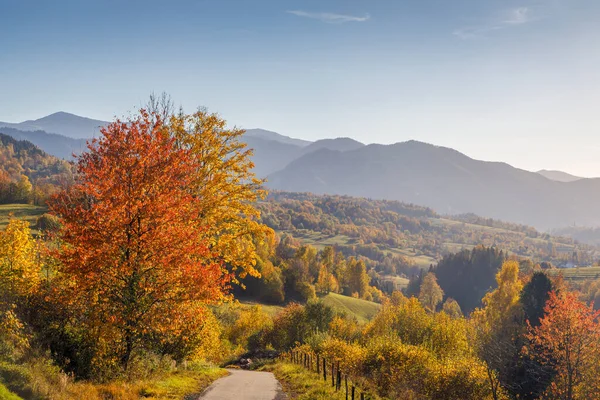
[
  {"x": 301, "y": 384},
  {"x": 363, "y": 310}
]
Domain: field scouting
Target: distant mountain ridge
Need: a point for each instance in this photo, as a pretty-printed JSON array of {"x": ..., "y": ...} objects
[
  {"x": 269, "y": 135},
  {"x": 559, "y": 176},
  {"x": 61, "y": 123},
  {"x": 445, "y": 180},
  {"x": 420, "y": 173}
]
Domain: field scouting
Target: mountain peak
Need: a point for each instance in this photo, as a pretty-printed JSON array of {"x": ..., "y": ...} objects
[{"x": 62, "y": 123}]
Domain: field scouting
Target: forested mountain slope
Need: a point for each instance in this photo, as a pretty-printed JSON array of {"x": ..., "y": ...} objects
[
  {"x": 52, "y": 143},
  {"x": 445, "y": 180},
  {"x": 27, "y": 174}
]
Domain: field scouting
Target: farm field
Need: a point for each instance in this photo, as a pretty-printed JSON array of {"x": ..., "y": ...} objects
[
  {"x": 28, "y": 212},
  {"x": 577, "y": 274}
]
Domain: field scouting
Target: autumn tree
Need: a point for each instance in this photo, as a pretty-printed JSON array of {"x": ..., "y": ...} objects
[
  {"x": 224, "y": 186},
  {"x": 430, "y": 293},
  {"x": 326, "y": 282},
  {"x": 357, "y": 278},
  {"x": 495, "y": 324},
  {"x": 19, "y": 272},
  {"x": 452, "y": 308},
  {"x": 149, "y": 226},
  {"x": 19, "y": 278},
  {"x": 569, "y": 334}
]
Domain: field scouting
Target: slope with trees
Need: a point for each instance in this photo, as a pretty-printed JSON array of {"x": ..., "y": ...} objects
[
  {"x": 27, "y": 174},
  {"x": 395, "y": 238}
]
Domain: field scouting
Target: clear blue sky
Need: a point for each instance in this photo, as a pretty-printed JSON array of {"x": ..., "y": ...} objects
[{"x": 515, "y": 81}]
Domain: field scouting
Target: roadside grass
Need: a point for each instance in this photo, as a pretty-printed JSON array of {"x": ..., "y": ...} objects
[
  {"x": 42, "y": 380},
  {"x": 180, "y": 384},
  {"x": 301, "y": 384},
  {"x": 363, "y": 310}
]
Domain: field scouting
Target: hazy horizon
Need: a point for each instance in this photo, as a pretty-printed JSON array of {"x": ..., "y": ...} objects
[{"x": 510, "y": 81}]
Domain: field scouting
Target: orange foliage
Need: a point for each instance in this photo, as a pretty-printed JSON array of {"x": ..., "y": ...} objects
[
  {"x": 131, "y": 251},
  {"x": 569, "y": 336}
]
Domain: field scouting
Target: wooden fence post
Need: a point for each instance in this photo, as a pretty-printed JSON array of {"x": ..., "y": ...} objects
[
  {"x": 353, "y": 390},
  {"x": 324, "y": 369},
  {"x": 362, "y": 395}
]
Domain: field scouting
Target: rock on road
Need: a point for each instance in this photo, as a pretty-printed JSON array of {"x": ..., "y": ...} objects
[{"x": 244, "y": 385}]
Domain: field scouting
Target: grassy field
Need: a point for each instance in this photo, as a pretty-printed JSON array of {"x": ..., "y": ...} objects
[
  {"x": 399, "y": 282},
  {"x": 577, "y": 274},
  {"x": 27, "y": 212},
  {"x": 320, "y": 240},
  {"x": 269, "y": 309},
  {"x": 363, "y": 310}
]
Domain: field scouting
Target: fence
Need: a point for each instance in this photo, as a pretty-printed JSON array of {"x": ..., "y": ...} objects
[{"x": 330, "y": 370}]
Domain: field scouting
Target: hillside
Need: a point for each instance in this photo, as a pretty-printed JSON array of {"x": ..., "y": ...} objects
[
  {"x": 27, "y": 174},
  {"x": 445, "y": 180},
  {"x": 397, "y": 238},
  {"x": 52, "y": 143},
  {"x": 360, "y": 309}
]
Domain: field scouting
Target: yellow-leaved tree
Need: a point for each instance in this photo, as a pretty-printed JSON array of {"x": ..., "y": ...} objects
[
  {"x": 226, "y": 187},
  {"x": 19, "y": 272},
  {"x": 495, "y": 322},
  {"x": 19, "y": 276}
]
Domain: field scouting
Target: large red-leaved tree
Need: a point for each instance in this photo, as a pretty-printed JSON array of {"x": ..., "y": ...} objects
[{"x": 132, "y": 250}]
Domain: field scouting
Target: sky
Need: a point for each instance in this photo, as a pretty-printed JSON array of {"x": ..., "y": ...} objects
[{"x": 501, "y": 80}]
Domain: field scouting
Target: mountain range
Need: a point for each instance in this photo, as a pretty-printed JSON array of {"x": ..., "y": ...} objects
[{"x": 438, "y": 177}]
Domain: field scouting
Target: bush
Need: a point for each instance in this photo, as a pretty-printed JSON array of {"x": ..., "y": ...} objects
[{"x": 351, "y": 356}]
